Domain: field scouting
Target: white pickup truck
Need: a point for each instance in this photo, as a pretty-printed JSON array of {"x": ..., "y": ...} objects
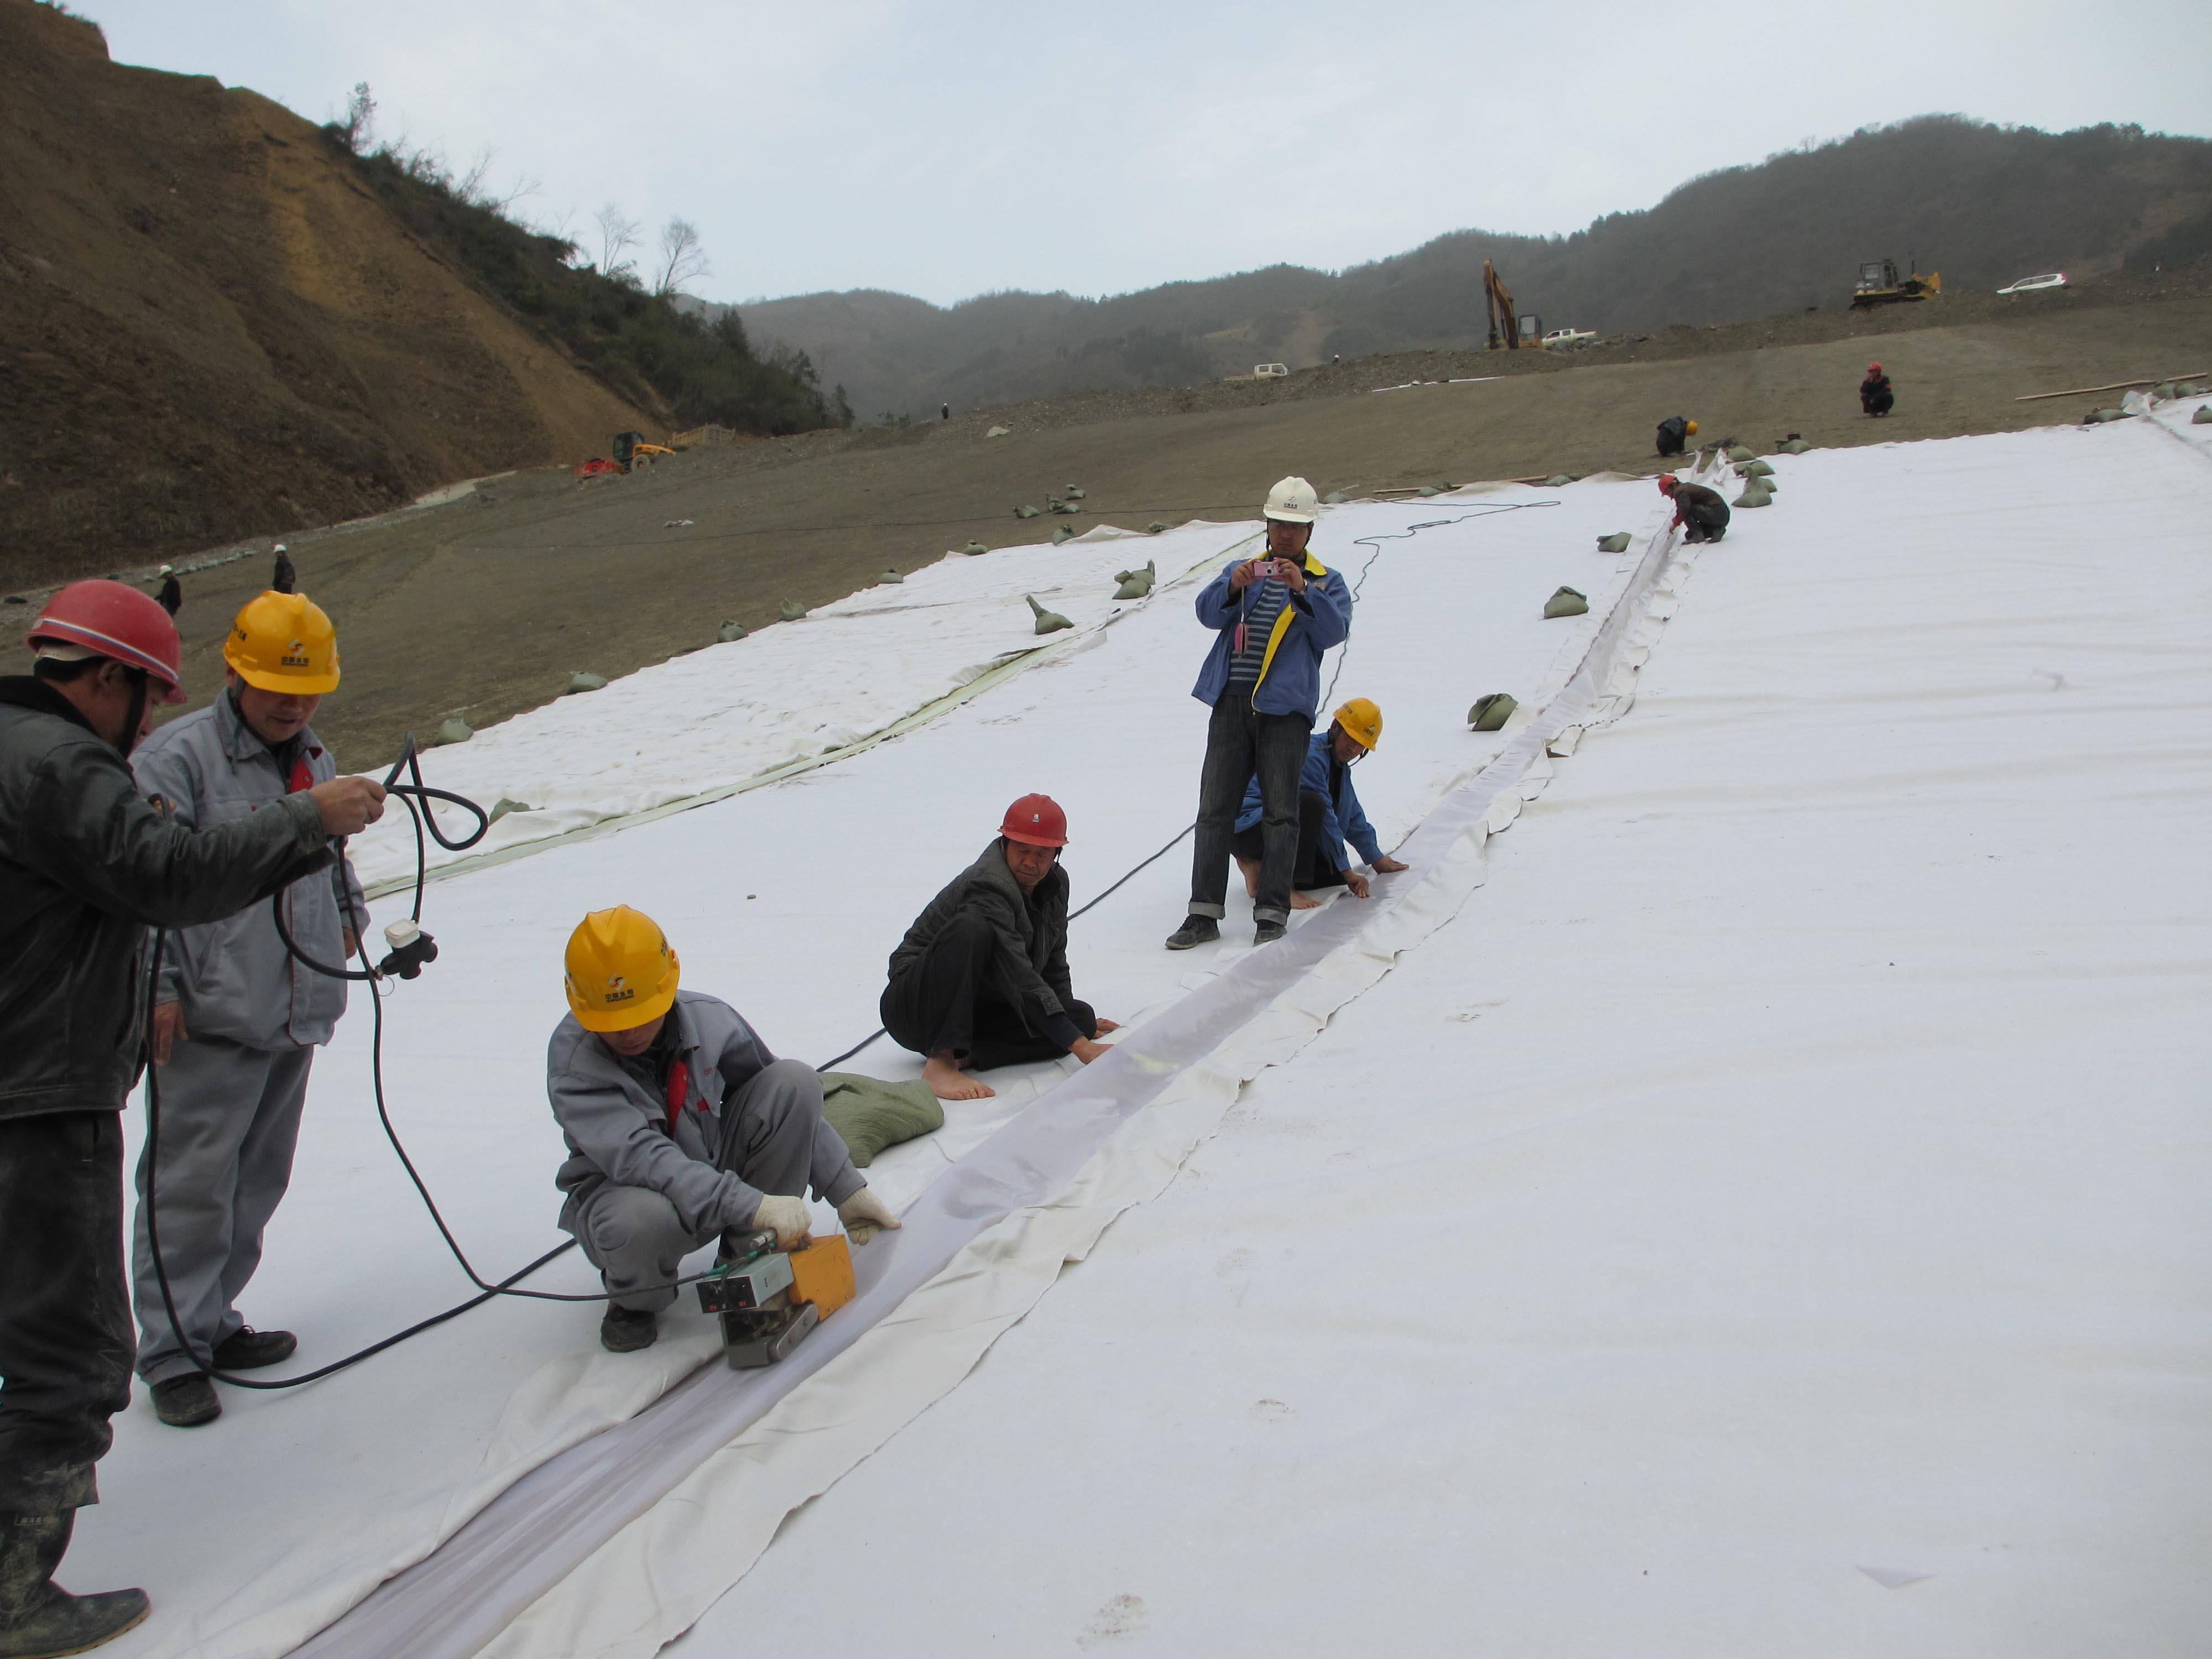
[{"x": 1566, "y": 339}]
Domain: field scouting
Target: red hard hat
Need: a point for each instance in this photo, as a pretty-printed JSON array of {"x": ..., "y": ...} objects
[
  {"x": 112, "y": 620},
  {"x": 1874, "y": 369},
  {"x": 1036, "y": 821},
  {"x": 1667, "y": 482}
]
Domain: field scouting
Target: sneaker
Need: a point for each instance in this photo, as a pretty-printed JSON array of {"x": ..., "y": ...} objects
[
  {"x": 1267, "y": 932},
  {"x": 187, "y": 1401},
  {"x": 625, "y": 1330},
  {"x": 1195, "y": 930},
  {"x": 248, "y": 1350}
]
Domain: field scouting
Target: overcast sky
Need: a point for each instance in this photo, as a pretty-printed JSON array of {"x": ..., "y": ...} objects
[{"x": 951, "y": 148}]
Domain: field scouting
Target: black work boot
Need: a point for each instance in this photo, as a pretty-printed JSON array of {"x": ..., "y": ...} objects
[
  {"x": 39, "y": 1619},
  {"x": 248, "y": 1350},
  {"x": 625, "y": 1330},
  {"x": 187, "y": 1401},
  {"x": 1267, "y": 932},
  {"x": 1195, "y": 930}
]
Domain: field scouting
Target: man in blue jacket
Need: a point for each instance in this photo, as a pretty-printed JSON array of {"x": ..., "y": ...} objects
[
  {"x": 1272, "y": 617},
  {"x": 1329, "y": 812}
]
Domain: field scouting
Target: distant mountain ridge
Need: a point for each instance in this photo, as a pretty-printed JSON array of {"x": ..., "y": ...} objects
[{"x": 1982, "y": 203}]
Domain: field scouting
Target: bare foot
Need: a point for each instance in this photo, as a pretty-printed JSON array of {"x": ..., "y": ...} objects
[
  {"x": 948, "y": 1082},
  {"x": 1251, "y": 869},
  {"x": 1300, "y": 902}
]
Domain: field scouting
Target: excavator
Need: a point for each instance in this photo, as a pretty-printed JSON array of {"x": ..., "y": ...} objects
[
  {"x": 1878, "y": 284},
  {"x": 1507, "y": 327}
]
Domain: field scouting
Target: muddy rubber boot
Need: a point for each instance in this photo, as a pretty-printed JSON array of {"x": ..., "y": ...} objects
[
  {"x": 187, "y": 1401},
  {"x": 625, "y": 1330},
  {"x": 39, "y": 1619},
  {"x": 1195, "y": 930},
  {"x": 248, "y": 1350}
]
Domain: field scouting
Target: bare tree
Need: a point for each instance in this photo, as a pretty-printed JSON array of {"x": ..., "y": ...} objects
[
  {"x": 359, "y": 117},
  {"x": 617, "y": 235},
  {"x": 682, "y": 258}
]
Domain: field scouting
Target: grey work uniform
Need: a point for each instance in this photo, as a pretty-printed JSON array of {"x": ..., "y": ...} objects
[
  {"x": 655, "y": 1171},
  {"x": 232, "y": 1094}
]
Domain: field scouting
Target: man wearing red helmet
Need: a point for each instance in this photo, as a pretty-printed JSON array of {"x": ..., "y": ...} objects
[
  {"x": 980, "y": 979},
  {"x": 87, "y": 865},
  {"x": 1877, "y": 395},
  {"x": 1700, "y": 513}
]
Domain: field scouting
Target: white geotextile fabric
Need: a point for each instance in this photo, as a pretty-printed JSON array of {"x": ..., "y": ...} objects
[
  {"x": 255, "y": 1531},
  {"x": 1773, "y": 1218},
  {"x": 788, "y": 692}
]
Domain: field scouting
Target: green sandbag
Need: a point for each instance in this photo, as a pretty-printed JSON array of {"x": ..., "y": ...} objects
[
  {"x": 729, "y": 632},
  {"x": 1754, "y": 496},
  {"x": 791, "y": 610},
  {"x": 1794, "y": 446},
  {"x": 1566, "y": 603},
  {"x": 502, "y": 807},
  {"x": 1026, "y": 512},
  {"x": 1075, "y": 495},
  {"x": 1064, "y": 533},
  {"x": 869, "y": 1113},
  {"x": 586, "y": 683},
  {"x": 1489, "y": 713},
  {"x": 889, "y": 576},
  {"x": 1155, "y": 526},
  {"x": 1616, "y": 542},
  {"x": 973, "y": 548},
  {"x": 1559, "y": 481},
  {"x": 1336, "y": 498},
  {"x": 1755, "y": 468},
  {"x": 2163, "y": 389},
  {"x": 1065, "y": 507},
  {"x": 1048, "y": 622},
  {"x": 452, "y": 729},
  {"x": 2202, "y": 416},
  {"x": 1430, "y": 489},
  {"x": 1738, "y": 453},
  {"x": 1136, "y": 584}
]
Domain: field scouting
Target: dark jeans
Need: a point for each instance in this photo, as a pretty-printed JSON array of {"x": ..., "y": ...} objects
[
  {"x": 1704, "y": 524},
  {"x": 1240, "y": 742},
  {"x": 1316, "y": 865},
  {"x": 947, "y": 1000},
  {"x": 65, "y": 1343}
]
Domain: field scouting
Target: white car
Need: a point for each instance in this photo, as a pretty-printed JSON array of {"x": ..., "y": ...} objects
[
  {"x": 1561, "y": 340},
  {"x": 2031, "y": 284},
  {"x": 1269, "y": 371}
]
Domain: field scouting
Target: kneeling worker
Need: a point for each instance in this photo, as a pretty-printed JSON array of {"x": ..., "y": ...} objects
[
  {"x": 1700, "y": 513},
  {"x": 1329, "y": 812},
  {"x": 236, "y": 1020},
  {"x": 682, "y": 1126},
  {"x": 980, "y": 979},
  {"x": 1674, "y": 434}
]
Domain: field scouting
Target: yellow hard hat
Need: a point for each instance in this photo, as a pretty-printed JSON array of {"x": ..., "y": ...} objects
[
  {"x": 620, "y": 971},
  {"x": 1691, "y": 428},
  {"x": 283, "y": 642},
  {"x": 1362, "y": 722}
]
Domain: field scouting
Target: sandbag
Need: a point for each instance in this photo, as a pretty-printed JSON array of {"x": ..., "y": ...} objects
[
  {"x": 1430, "y": 490},
  {"x": 1136, "y": 584},
  {"x": 1336, "y": 498},
  {"x": 975, "y": 548},
  {"x": 502, "y": 807},
  {"x": 1026, "y": 512},
  {"x": 729, "y": 632},
  {"x": 1755, "y": 468},
  {"x": 1155, "y": 526},
  {"x": 1066, "y": 532},
  {"x": 2163, "y": 389},
  {"x": 996, "y": 432},
  {"x": 1793, "y": 447},
  {"x": 870, "y": 1113},
  {"x": 1067, "y": 507},
  {"x": 1075, "y": 495},
  {"x": 1567, "y": 602},
  {"x": 582, "y": 682},
  {"x": 790, "y": 610},
  {"x": 889, "y": 576},
  {"x": 1048, "y": 622},
  {"x": 1616, "y": 542},
  {"x": 1559, "y": 481},
  {"x": 452, "y": 729},
  {"x": 1489, "y": 713},
  {"x": 1738, "y": 453},
  {"x": 1754, "y": 495},
  {"x": 2202, "y": 416}
]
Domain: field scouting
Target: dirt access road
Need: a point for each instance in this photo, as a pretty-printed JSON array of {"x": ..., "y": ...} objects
[{"x": 486, "y": 606}]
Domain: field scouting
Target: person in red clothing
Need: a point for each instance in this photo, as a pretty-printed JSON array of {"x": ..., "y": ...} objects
[{"x": 1700, "y": 513}]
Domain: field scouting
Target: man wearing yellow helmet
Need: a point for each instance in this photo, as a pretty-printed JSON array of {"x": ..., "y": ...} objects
[
  {"x": 1329, "y": 812},
  {"x": 236, "y": 1019},
  {"x": 682, "y": 1126},
  {"x": 1674, "y": 434}
]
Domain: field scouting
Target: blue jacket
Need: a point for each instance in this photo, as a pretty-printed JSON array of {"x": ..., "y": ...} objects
[
  {"x": 1310, "y": 622},
  {"x": 1342, "y": 820}
]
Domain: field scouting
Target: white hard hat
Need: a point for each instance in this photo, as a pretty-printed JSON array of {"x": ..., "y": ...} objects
[{"x": 1293, "y": 502}]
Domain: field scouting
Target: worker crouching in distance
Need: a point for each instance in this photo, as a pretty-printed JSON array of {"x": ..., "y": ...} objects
[
  {"x": 1877, "y": 395},
  {"x": 87, "y": 865},
  {"x": 682, "y": 1126},
  {"x": 1329, "y": 813},
  {"x": 980, "y": 980},
  {"x": 236, "y": 1018},
  {"x": 1272, "y": 617},
  {"x": 1700, "y": 513},
  {"x": 1674, "y": 434}
]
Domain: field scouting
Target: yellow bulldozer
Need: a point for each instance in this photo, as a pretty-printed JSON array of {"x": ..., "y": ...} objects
[
  {"x": 633, "y": 453},
  {"x": 1878, "y": 284}
]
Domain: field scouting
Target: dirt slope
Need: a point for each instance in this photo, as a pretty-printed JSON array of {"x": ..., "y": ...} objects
[{"x": 210, "y": 332}]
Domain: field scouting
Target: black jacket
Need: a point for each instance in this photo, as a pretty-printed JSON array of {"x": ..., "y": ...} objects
[
  {"x": 1696, "y": 501},
  {"x": 1029, "y": 971},
  {"x": 86, "y": 866}
]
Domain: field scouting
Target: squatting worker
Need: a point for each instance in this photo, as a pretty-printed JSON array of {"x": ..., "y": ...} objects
[
  {"x": 1700, "y": 513},
  {"x": 1329, "y": 812},
  {"x": 1877, "y": 395},
  {"x": 86, "y": 865},
  {"x": 1674, "y": 434},
  {"x": 682, "y": 1126},
  {"x": 1272, "y": 616},
  {"x": 236, "y": 1019},
  {"x": 980, "y": 980}
]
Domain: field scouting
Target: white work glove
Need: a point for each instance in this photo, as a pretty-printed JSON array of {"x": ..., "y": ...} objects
[
  {"x": 865, "y": 1215},
  {"x": 788, "y": 1218}
]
